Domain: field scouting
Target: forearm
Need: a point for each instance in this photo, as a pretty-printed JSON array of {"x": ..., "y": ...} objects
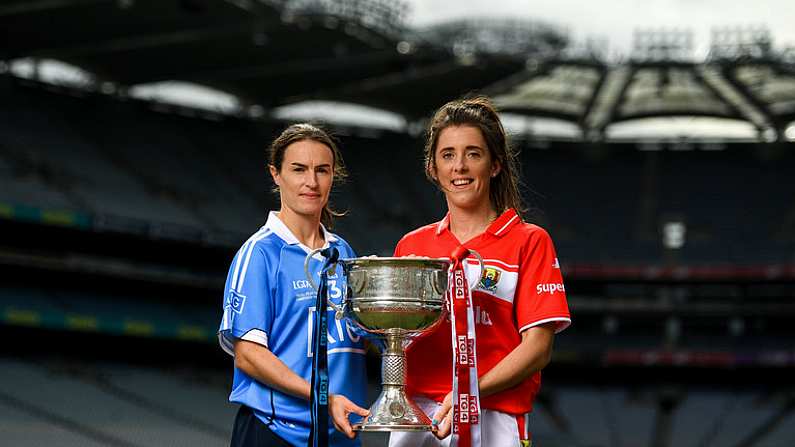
[
  {"x": 260, "y": 363},
  {"x": 530, "y": 356}
]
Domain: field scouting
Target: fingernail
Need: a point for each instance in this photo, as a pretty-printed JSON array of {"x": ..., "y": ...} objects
[{"x": 434, "y": 422}]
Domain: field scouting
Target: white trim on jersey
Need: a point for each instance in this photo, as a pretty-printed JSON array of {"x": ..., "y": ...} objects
[
  {"x": 241, "y": 255},
  {"x": 277, "y": 226},
  {"x": 245, "y": 252},
  {"x": 226, "y": 321},
  {"x": 497, "y": 233},
  {"x": 239, "y": 286},
  {"x": 226, "y": 344},
  {"x": 257, "y": 336},
  {"x": 504, "y": 290},
  {"x": 354, "y": 350},
  {"x": 565, "y": 322},
  {"x": 472, "y": 260}
]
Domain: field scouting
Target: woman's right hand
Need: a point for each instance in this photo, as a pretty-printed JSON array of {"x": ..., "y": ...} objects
[
  {"x": 444, "y": 417},
  {"x": 339, "y": 407}
]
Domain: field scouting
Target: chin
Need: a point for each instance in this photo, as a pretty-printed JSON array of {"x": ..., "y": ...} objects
[
  {"x": 311, "y": 211},
  {"x": 467, "y": 203}
]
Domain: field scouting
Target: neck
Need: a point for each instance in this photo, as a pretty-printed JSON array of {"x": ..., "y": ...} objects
[
  {"x": 305, "y": 228},
  {"x": 466, "y": 223}
]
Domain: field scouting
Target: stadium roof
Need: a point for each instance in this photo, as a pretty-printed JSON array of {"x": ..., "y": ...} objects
[
  {"x": 594, "y": 95},
  {"x": 276, "y": 52},
  {"x": 267, "y": 53}
]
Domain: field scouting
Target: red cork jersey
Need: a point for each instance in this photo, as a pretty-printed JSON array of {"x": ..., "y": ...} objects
[{"x": 520, "y": 287}]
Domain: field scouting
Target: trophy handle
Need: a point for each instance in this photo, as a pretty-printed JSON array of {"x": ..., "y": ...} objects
[
  {"x": 337, "y": 309},
  {"x": 482, "y": 267}
]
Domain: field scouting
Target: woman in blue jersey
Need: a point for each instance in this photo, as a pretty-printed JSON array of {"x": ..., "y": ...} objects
[{"x": 269, "y": 305}]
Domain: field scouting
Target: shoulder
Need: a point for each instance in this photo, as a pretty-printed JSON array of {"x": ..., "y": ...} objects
[
  {"x": 530, "y": 237},
  {"x": 412, "y": 241},
  {"x": 343, "y": 246},
  {"x": 420, "y": 233},
  {"x": 255, "y": 261},
  {"x": 264, "y": 242},
  {"x": 531, "y": 231}
]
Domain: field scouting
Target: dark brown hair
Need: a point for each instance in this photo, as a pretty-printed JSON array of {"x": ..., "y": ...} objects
[
  {"x": 301, "y": 132},
  {"x": 480, "y": 113}
]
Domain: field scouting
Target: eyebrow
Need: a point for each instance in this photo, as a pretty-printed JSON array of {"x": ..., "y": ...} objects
[
  {"x": 470, "y": 146},
  {"x": 301, "y": 165}
]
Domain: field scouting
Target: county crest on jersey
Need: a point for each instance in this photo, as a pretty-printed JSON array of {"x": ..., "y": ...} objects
[{"x": 490, "y": 278}]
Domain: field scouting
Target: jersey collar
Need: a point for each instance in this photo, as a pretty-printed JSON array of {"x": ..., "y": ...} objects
[
  {"x": 499, "y": 227},
  {"x": 277, "y": 226}
]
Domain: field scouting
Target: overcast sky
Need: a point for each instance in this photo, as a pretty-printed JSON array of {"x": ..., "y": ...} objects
[{"x": 615, "y": 20}]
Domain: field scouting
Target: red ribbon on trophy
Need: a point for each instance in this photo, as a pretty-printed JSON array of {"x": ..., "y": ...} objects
[{"x": 466, "y": 394}]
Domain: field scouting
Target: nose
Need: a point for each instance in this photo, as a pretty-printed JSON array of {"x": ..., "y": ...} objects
[
  {"x": 310, "y": 179},
  {"x": 460, "y": 164}
]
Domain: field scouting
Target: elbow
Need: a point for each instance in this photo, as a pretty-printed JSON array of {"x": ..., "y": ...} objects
[
  {"x": 545, "y": 356},
  {"x": 539, "y": 342},
  {"x": 243, "y": 358},
  {"x": 542, "y": 355},
  {"x": 241, "y": 362}
]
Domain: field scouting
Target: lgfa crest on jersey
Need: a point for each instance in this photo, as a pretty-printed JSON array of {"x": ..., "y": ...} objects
[{"x": 490, "y": 278}]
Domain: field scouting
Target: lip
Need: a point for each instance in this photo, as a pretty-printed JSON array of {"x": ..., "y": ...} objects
[
  {"x": 471, "y": 181},
  {"x": 310, "y": 196}
]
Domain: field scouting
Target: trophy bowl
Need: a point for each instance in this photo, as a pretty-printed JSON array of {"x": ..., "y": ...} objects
[{"x": 395, "y": 301}]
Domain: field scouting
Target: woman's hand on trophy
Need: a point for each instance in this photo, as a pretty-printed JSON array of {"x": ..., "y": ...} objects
[
  {"x": 443, "y": 418},
  {"x": 340, "y": 408}
]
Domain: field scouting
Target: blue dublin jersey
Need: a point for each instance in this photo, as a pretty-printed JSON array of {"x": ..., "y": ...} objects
[{"x": 269, "y": 301}]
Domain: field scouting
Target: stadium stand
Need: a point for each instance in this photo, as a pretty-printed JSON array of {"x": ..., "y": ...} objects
[
  {"x": 105, "y": 157},
  {"x": 73, "y": 406},
  {"x": 112, "y": 403},
  {"x": 119, "y": 215}
]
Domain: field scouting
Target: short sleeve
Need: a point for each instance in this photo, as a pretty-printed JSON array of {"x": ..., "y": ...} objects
[
  {"x": 540, "y": 294},
  {"x": 398, "y": 252},
  {"x": 403, "y": 247},
  {"x": 248, "y": 299},
  {"x": 349, "y": 252}
]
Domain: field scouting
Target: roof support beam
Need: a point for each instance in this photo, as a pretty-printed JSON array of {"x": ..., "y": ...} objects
[
  {"x": 603, "y": 72},
  {"x": 608, "y": 99},
  {"x": 714, "y": 79},
  {"x": 504, "y": 86},
  {"x": 727, "y": 72}
]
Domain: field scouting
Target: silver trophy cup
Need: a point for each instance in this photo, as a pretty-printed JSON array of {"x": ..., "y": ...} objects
[{"x": 396, "y": 301}]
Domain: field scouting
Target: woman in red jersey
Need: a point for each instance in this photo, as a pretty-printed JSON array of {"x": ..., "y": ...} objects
[{"x": 519, "y": 302}]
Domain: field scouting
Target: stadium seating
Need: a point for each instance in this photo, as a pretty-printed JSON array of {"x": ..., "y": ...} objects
[
  {"x": 77, "y": 403},
  {"x": 73, "y": 405},
  {"x": 602, "y": 204}
]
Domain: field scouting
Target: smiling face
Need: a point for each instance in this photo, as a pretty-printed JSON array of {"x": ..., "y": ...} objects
[
  {"x": 463, "y": 167},
  {"x": 305, "y": 178}
]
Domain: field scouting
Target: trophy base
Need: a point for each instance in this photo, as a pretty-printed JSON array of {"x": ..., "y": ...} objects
[
  {"x": 394, "y": 411},
  {"x": 390, "y": 428}
]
